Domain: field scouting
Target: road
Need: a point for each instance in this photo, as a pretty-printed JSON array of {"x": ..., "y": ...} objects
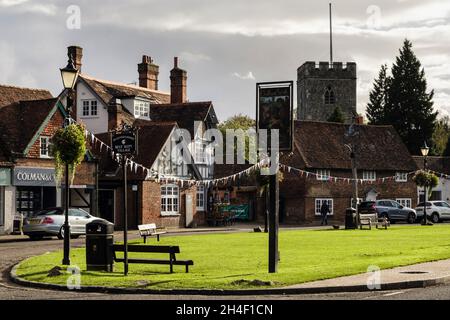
[{"x": 13, "y": 252}]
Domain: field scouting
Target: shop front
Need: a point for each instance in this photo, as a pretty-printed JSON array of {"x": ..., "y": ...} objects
[{"x": 35, "y": 189}]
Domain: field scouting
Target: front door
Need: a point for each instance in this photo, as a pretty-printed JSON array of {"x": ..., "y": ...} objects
[{"x": 106, "y": 204}]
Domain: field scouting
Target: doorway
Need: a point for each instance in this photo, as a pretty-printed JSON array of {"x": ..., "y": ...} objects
[{"x": 106, "y": 206}]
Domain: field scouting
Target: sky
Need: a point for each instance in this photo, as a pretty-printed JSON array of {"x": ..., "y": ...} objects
[{"x": 225, "y": 46}]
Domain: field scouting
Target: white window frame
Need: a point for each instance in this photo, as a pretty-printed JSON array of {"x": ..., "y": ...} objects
[
  {"x": 170, "y": 202},
  {"x": 88, "y": 110},
  {"x": 318, "y": 204},
  {"x": 401, "y": 177},
  {"x": 46, "y": 155},
  {"x": 200, "y": 198},
  {"x": 85, "y": 108},
  {"x": 141, "y": 109},
  {"x": 323, "y": 174},
  {"x": 404, "y": 202},
  {"x": 369, "y": 175}
]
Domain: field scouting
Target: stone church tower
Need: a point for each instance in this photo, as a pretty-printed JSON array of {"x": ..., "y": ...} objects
[{"x": 323, "y": 87}]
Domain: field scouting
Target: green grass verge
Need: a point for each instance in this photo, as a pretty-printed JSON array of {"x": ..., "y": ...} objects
[{"x": 221, "y": 259}]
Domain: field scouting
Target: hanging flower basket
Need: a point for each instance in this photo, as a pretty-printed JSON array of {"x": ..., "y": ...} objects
[
  {"x": 69, "y": 147},
  {"x": 424, "y": 178}
]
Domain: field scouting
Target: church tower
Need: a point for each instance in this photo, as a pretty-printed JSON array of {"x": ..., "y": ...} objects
[{"x": 323, "y": 87}]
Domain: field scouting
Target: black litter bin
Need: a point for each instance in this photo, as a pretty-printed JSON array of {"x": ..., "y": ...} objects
[
  {"x": 350, "y": 218},
  {"x": 99, "y": 245}
]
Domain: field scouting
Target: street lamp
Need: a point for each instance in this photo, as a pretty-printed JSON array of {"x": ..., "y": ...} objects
[
  {"x": 424, "y": 150},
  {"x": 69, "y": 76}
]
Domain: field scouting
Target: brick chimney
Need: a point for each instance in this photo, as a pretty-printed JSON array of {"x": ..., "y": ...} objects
[
  {"x": 77, "y": 54},
  {"x": 117, "y": 115},
  {"x": 148, "y": 73},
  {"x": 178, "y": 79}
]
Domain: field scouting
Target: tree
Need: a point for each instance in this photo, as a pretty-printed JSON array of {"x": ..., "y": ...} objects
[
  {"x": 378, "y": 98},
  {"x": 337, "y": 116},
  {"x": 409, "y": 107},
  {"x": 447, "y": 148},
  {"x": 236, "y": 122},
  {"x": 440, "y": 137}
]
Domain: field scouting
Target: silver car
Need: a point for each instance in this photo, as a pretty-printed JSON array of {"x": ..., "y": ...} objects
[{"x": 49, "y": 222}]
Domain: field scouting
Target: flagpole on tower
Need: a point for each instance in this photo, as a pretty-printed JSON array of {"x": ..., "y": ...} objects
[{"x": 331, "y": 39}]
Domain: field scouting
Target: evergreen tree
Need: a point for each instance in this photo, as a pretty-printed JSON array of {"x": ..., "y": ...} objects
[
  {"x": 337, "y": 116},
  {"x": 378, "y": 98},
  {"x": 409, "y": 106}
]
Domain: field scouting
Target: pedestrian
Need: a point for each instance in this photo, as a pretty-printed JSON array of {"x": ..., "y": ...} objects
[{"x": 324, "y": 210}]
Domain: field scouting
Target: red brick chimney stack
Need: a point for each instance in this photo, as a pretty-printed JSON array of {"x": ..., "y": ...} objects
[
  {"x": 178, "y": 79},
  {"x": 148, "y": 73},
  {"x": 77, "y": 54}
]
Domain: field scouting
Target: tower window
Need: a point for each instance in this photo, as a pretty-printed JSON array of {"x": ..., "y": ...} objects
[{"x": 329, "y": 96}]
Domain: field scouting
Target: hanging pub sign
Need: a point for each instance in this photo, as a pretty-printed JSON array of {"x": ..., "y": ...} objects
[
  {"x": 274, "y": 110},
  {"x": 124, "y": 142}
]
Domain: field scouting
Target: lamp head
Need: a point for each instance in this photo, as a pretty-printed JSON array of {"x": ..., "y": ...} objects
[
  {"x": 424, "y": 149},
  {"x": 69, "y": 74}
]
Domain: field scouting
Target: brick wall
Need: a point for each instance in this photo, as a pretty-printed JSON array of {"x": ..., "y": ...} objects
[
  {"x": 149, "y": 207},
  {"x": 53, "y": 125},
  {"x": 299, "y": 194}
]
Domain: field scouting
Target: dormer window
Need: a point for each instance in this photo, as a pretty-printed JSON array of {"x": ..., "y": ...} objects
[
  {"x": 329, "y": 96},
  {"x": 141, "y": 109}
]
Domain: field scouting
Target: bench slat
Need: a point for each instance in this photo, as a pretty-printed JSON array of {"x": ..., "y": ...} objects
[
  {"x": 156, "y": 261},
  {"x": 145, "y": 248}
]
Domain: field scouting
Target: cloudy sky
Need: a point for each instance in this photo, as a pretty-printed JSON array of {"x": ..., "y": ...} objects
[{"x": 226, "y": 46}]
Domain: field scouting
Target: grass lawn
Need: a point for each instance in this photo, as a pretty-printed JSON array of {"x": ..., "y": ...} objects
[{"x": 221, "y": 259}]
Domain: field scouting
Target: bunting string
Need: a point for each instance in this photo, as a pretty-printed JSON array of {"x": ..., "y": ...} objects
[{"x": 164, "y": 179}]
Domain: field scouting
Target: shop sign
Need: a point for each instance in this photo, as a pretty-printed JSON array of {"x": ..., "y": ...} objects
[{"x": 34, "y": 177}]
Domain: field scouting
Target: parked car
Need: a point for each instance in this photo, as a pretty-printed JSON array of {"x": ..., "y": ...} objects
[
  {"x": 49, "y": 222},
  {"x": 436, "y": 210},
  {"x": 390, "y": 209}
]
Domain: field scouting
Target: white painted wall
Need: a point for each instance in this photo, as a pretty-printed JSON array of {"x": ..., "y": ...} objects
[
  {"x": 95, "y": 124},
  {"x": 10, "y": 210},
  {"x": 443, "y": 187}
]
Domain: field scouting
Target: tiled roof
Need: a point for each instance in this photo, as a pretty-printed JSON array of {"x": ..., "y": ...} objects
[
  {"x": 438, "y": 164},
  {"x": 20, "y": 121},
  {"x": 108, "y": 91},
  {"x": 321, "y": 145},
  {"x": 11, "y": 94},
  {"x": 184, "y": 114}
]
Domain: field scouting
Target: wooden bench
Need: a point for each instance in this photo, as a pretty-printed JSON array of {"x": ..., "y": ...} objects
[
  {"x": 171, "y": 250},
  {"x": 371, "y": 219},
  {"x": 148, "y": 230}
]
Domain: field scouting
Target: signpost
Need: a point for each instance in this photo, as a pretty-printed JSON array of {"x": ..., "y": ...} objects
[
  {"x": 274, "y": 111},
  {"x": 124, "y": 142}
]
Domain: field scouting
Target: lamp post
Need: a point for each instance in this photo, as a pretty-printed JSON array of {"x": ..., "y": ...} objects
[
  {"x": 424, "y": 150},
  {"x": 69, "y": 76}
]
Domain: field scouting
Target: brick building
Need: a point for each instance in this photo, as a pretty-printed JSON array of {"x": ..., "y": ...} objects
[
  {"x": 103, "y": 105},
  {"x": 28, "y": 120},
  {"x": 323, "y": 87},
  {"x": 319, "y": 149}
]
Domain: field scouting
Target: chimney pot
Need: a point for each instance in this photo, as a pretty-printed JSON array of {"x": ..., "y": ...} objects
[{"x": 175, "y": 62}]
